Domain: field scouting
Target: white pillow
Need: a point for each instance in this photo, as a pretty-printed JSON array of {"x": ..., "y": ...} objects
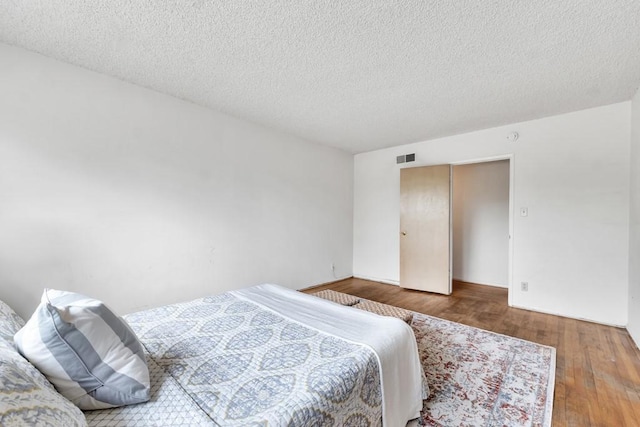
[{"x": 89, "y": 354}]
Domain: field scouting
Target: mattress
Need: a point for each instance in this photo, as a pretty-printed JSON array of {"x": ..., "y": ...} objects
[{"x": 262, "y": 357}]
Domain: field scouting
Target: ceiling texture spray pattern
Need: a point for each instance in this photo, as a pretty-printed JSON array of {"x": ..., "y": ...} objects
[{"x": 359, "y": 74}]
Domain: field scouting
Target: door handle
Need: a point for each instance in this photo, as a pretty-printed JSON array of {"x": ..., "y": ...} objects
[{"x": 404, "y": 233}]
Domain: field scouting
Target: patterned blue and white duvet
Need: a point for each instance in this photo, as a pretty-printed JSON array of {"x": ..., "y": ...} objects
[{"x": 241, "y": 364}]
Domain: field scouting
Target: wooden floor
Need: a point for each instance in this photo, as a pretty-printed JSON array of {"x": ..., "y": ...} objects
[{"x": 598, "y": 367}]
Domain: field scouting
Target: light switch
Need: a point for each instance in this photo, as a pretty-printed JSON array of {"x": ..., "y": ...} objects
[{"x": 524, "y": 211}]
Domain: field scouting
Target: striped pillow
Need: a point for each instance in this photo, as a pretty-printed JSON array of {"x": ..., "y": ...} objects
[{"x": 91, "y": 355}]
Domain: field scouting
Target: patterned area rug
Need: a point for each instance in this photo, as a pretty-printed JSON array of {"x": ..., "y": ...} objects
[{"x": 479, "y": 378}]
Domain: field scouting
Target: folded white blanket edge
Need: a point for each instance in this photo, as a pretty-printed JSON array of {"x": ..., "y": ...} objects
[{"x": 391, "y": 339}]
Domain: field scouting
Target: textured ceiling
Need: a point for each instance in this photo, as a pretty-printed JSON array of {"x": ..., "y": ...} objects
[{"x": 355, "y": 74}]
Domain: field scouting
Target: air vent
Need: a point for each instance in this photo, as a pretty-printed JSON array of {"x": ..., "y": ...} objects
[{"x": 406, "y": 158}]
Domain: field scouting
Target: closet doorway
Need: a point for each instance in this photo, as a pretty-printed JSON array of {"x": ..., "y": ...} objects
[
  {"x": 481, "y": 222},
  {"x": 458, "y": 226}
]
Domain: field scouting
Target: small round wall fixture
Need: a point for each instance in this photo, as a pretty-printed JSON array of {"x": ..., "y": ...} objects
[{"x": 513, "y": 136}]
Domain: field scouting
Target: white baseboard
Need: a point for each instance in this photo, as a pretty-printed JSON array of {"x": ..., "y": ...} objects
[
  {"x": 376, "y": 279},
  {"x": 475, "y": 282},
  {"x": 635, "y": 336},
  {"x": 317, "y": 285},
  {"x": 536, "y": 310}
]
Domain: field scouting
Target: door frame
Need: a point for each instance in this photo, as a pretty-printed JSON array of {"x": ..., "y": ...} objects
[{"x": 511, "y": 158}]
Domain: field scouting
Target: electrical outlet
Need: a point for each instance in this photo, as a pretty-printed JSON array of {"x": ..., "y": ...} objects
[{"x": 524, "y": 286}]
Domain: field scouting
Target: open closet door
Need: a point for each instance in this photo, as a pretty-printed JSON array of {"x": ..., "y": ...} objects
[{"x": 425, "y": 228}]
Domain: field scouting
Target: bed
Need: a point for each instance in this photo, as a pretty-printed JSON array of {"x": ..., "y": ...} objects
[{"x": 268, "y": 355}]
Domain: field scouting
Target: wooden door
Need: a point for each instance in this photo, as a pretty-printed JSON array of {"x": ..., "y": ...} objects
[{"x": 425, "y": 228}]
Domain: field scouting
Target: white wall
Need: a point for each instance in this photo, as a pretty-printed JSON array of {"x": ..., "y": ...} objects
[
  {"x": 634, "y": 215},
  {"x": 571, "y": 171},
  {"x": 142, "y": 199},
  {"x": 481, "y": 223}
]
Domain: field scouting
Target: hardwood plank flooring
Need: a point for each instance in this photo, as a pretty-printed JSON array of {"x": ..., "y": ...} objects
[{"x": 597, "y": 366}]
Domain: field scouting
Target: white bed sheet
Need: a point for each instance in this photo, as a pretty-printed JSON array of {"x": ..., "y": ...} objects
[{"x": 391, "y": 339}]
